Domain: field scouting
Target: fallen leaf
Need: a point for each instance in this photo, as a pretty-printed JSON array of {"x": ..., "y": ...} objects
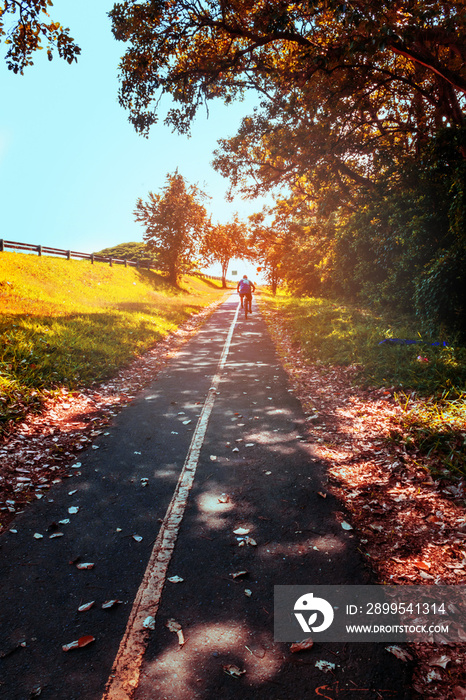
[
  {"x": 233, "y": 670},
  {"x": 176, "y": 579},
  {"x": 86, "y": 606},
  {"x": 442, "y": 661},
  {"x": 399, "y": 653},
  {"x": 73, "y": 509},
  {"x": 424, "y": 565},
  {"x": 302, "y": 646},
  {"x": 138, "y": 538},
  {"x": 242, "y": 531},
  {"x": 247, "y": 592},
  {"x": 85, "y": 565},
  {"x": 246, "y": 540},
  {"x": 175, "y": 626},
  {"x": 38, "y": 536},
  {"x": 55, "y": 534},
  {"x": 79, "y": 643},
  {"x": 237, "y": 574},
  {"x": 433, "y": 675},
  {"x": 423, "y": 574},
  {"x": 325, "y": 666},
  {"x": 149, "y": 623},
  {"x": 346, "y": 526},
  {"x": 322, "y": 494},
  {"x": 110, "y": 603}
]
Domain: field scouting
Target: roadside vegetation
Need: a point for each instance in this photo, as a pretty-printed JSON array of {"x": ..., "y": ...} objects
[
  {"x": 427, "y": 381},
  {"x": 68, "y": 323}
]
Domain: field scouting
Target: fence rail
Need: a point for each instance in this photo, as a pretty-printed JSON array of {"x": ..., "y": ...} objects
[{"x": 69, "y": 254}]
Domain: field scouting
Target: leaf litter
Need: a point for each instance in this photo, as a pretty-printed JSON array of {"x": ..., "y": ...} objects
[
  {"x": 42, "y": 449},
  {"x": 406, "y": 510}
]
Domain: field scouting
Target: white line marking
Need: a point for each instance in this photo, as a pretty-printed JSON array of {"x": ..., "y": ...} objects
[{"x": 124, "y": 678}]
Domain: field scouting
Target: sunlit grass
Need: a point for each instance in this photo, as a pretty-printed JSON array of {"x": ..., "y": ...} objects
[
  {"x": 69, "y": 323},
  {"x": 429, "y": 381}
]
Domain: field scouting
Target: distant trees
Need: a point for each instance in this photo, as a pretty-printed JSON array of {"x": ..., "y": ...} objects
[
  {"x": 223, "y": 242},
  {"x": 133, "y": 251},
  {"x": 30, "y": 26},
  {"x": 175, "y": 222}
]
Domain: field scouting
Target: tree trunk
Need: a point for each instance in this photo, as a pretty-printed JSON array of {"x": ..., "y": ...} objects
[{"x": 224, "y": 276}]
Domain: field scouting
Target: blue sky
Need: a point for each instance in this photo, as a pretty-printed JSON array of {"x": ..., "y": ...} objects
[{"x": 71, "y": 165}]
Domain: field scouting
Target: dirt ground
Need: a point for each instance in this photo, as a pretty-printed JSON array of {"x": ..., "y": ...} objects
[{"x": 411, "y": 527}]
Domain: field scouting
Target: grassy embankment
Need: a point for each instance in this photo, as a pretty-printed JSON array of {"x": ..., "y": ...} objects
[
  {"x": 429, "y": 382},
  {"x": 67, "y": 323}
]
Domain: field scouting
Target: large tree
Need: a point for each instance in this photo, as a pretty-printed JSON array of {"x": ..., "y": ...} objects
[
  {"x": 196, "y": 50},
  {"x": 25, "y": 25},
  {"x": 175, "y": 223}
]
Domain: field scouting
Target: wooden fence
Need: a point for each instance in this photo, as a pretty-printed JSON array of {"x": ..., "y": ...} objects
[{"x": 69, "y": 254}]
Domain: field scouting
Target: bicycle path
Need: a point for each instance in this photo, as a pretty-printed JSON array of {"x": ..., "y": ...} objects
[{"x": 213, "y": 444}]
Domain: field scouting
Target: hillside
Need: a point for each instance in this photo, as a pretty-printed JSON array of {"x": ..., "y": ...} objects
[{"x": 67, "y": 323}]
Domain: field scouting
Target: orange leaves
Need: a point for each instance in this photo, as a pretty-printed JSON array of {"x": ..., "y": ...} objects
[{"x": 79, "y": 643}]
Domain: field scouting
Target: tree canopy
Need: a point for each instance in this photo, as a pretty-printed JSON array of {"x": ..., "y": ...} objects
[
  {"x": 196, "y": 50},
  {"x": 29, "y": 26}
]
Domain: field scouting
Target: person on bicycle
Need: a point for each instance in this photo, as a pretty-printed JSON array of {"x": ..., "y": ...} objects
[{"x": 245, "y": 288}]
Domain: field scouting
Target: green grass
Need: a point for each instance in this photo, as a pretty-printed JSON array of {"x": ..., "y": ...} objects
[
  {"x": 432, "y": 393},
  {"x": 67, "y": 323}
]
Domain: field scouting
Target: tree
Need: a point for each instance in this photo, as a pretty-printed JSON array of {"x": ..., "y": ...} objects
[
  {"x": 223, "y": 242},
  {"x": 175, "y": 222},
  {"x": 197, "y": 50},
  {"x": 269, "y": 240},
  {"x": 31, "y": 24}
]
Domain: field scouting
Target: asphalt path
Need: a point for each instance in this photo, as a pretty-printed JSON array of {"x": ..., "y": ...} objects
[{"x": 215, "y": 443}]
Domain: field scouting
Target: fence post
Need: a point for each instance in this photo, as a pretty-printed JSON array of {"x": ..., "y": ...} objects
[
  {"x": 68, "y": 254},
  {"x": 110, "y": 260},
  {"x": 2, "y": 245},
  {"x": 39, "y": 250},
  {"x": 126, "y": 263},
  {"x": 92, "y": 258}
]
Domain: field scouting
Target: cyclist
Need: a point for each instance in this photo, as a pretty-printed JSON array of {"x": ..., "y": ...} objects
[{"x": 245, "y": 288}]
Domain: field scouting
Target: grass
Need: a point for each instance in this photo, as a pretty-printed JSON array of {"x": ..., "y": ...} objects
[
  {"x": 67, "y": 323},
  {"x": 429, "y": 381}
]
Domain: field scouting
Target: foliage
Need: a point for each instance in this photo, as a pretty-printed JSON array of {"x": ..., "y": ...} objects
[
  {"x": 427, "y": 381},
  {"x": 67, "y": 323},
  {"x": 175, "y": 222},
  {"x": 270, "y": 240},
  {"x": 198, "y": 50},
  {"x": 31, "y": 25},
  {"x": 134, "y": 252},
  {"x": 406, "y": 244},
  {"x": 223, "y": 242}
]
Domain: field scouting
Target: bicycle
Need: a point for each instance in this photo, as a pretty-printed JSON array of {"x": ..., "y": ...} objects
[{"x": 247, "y": 303}]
